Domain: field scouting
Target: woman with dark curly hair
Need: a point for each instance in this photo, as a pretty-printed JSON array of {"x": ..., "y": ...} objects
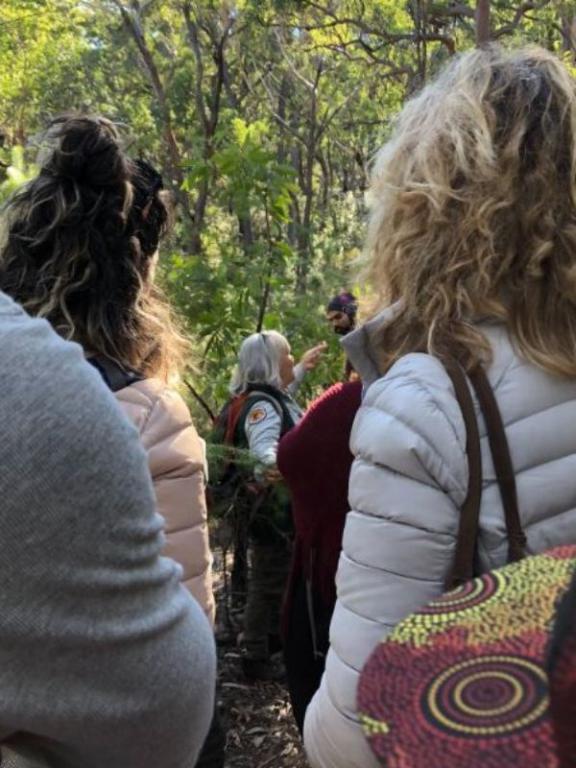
[{"x": 80, "y": 250}]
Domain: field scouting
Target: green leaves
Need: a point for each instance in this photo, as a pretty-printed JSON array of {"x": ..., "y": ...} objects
[
  {"x": 16, "y": 172},
  {"x": 41, "y": 49},
  {"x": 254, "y": 179},
  {"x": 264, "y": 116}
]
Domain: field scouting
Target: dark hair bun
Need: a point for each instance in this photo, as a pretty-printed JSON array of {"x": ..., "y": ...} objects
[
  {"x": 86, "y": 150},
  {"x": 149, "y": 214}
]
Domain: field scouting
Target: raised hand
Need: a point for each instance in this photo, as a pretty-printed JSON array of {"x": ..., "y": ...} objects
[{"x": 311, "y": 357}]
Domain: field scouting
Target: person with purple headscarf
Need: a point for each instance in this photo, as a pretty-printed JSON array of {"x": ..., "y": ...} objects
[{"x": 341, "y": 312}]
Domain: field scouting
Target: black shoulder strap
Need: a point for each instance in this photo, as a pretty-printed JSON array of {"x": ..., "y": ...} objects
[
  {"x": 114, "y": 375},
  {"x": 502, "y": 463},
  {"x": 466, "y": 541},
  {"x": 465, "y": 554}
]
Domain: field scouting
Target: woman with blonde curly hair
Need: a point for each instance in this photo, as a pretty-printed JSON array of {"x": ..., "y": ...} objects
[{"x": 472, "y": 250}]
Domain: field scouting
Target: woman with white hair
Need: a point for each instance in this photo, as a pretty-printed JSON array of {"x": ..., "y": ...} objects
[{"x": 261, "y": 412}]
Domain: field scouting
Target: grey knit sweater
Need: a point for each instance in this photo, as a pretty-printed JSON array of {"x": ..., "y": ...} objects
[{"x": 103, "y": 655}]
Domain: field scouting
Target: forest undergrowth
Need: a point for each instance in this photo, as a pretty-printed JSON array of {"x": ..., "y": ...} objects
[{"x": 261, "y": 732}]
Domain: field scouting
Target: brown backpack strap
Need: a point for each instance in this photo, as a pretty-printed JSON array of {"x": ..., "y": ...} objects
[
  {"x": 502, "y": 463},
  {"x": 465, "y": 553}
]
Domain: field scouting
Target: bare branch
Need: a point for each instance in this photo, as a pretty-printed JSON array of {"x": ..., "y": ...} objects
[
  {"x": 291, "y": 66},
  {"x": 331, "y": 115},
  {"x": 279, "y": 119},
  {"x": 520, "y": 13},
  {"x": 454, "y": 10},
  {"x": 192, "y": 33},
  {"x": 133, "y": 26},
  {"x": 377, "y": 32}
]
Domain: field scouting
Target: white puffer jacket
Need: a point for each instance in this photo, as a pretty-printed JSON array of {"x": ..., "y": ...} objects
[{"x": 407, "y": 485}]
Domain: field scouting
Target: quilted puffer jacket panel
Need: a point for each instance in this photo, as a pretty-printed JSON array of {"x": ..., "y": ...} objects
[
  {"x": 407, "y": 485},
  {"x": 176, "y": 457}
]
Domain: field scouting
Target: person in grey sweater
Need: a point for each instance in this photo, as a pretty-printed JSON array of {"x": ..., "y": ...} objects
[{"x": 105, "y": 660}]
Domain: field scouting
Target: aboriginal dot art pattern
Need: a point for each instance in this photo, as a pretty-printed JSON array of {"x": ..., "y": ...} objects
[{"x": 463, "y": 682}]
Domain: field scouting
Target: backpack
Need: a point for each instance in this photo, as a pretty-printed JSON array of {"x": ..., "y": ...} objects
[
  {"x": 231, "y": 485},
  {"x": 469, "y": 679}
]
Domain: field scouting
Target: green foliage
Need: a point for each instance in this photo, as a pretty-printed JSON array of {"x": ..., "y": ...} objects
[
  {"x": 264, "y": 115},
  {"x": 15, "y": 172},
  {"x": 255, "y": 182},
  {"x": 41, "y": 47}
]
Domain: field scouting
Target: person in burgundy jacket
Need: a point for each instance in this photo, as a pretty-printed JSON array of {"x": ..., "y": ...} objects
[{"x": 315, "y": 460}]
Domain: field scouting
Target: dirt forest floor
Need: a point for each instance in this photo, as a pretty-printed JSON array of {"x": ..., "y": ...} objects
[{"x": 257, "y": 717}]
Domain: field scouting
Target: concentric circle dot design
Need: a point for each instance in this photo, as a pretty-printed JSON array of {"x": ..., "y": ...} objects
[
  {"x": 487, "y": 696},
  {"x": 469, "y": 595}
]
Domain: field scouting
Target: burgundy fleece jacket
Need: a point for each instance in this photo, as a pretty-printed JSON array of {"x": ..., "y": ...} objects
[{"x": 315, "y": 460}]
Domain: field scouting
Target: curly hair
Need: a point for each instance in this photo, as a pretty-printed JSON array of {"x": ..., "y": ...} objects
[
  {"x": 473, "y": 212},
  {"x": 79, "y": 245}
]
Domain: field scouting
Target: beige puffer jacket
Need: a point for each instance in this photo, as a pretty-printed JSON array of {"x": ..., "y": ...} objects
[{"x": 176, "y": 457}]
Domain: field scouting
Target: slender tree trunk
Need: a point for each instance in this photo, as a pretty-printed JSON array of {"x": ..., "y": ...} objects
[
  {"x": 569, "y": 34},
  {"x": 326, "y": 182},
  {"x": 174, "y": 160},
  {"x": 267, "y": 281},
  {"x": 283, "y": 95},
  {"x": 246, "y": 232},
  {"x": 200, "y": 205},
  {"x": 295, "y": 217},
  {"x": 264, "y": 299},
  {"x": 418, "y": 13},
  {"x": 483, "y": 35},
  {"x": 208, "y": 110},
  {"x": 307, "y": 184},
  {"x": 305, "y": 229}
]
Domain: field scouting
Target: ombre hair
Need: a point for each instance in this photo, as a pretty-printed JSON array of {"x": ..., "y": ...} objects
[
  {"x": 473, "y": 212},
  {"x": 79, "y": 247},
  {"x": 259, "y": 361}
]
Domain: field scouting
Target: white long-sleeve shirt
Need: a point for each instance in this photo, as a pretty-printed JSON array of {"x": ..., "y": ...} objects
[{"x": 263, "y": 423}]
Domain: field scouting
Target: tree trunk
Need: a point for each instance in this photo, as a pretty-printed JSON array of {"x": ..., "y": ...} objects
[
  {"x": 199, "y": 215},
  {"x": 569, "y": 34},
  {"x": 305, "y": 231},
  {"x": 264, "y": 299},
  {"x": 283, "y": 95},
  {"x": 208, "y": 110},
  {"x": 174, "y": 161},
  {"x": 246, "y": 232},
  {"x": 483, "y": 35},
  {"x": 307, "y": 185},
  {"x": 418, "y": 14}
]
